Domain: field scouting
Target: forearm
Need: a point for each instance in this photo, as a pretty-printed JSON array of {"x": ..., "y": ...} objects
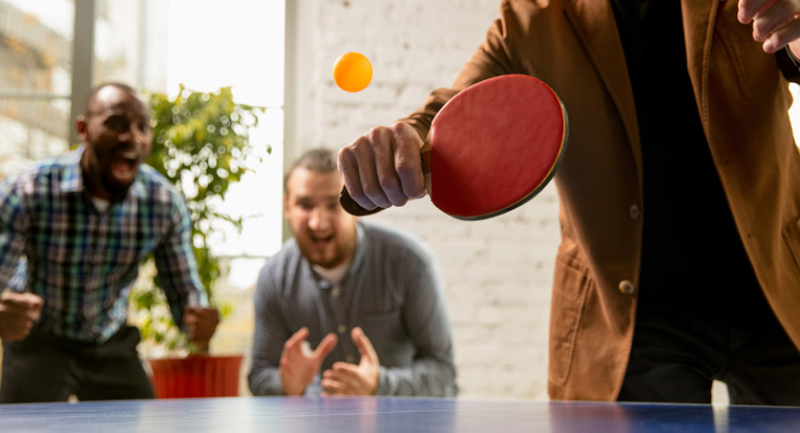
[
  {"x": 18, "y": 281},
  {"x": 425, "y": 378},
  {"x": 491, "y": 59},
  {"x": 264, "y": 380},
  {"x": 422, "y": 118},
  {"x": 13, "y": 229},
  {"x": 177, "y": 299},
  {"x": 176, "y": 264}
]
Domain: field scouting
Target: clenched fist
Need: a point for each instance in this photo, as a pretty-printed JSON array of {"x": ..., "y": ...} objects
[{"x": 18, "y": 312}]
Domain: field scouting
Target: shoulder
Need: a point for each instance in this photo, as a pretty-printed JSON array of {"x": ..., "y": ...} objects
[
  {"x": 157, "y": 191},
  {"x": 398, "y": 259},
  {"x": 154, "y": 182},
  {"x": 394, "y": 242},
  {"x": 279, "y": 268},
  {"x": 287, "y": 254},
  {"x": 50, "y": 166},
  {"x": 37, "y": 178}
]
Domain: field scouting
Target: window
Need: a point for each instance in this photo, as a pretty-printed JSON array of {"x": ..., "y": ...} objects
[
  {"x": 153, "y": 45},
  {"x": 240, "y": 45},
  {"x": 35, "y": 79}
]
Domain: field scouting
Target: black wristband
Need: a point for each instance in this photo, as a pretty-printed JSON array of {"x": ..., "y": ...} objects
[{"x": 792, "y": 57}]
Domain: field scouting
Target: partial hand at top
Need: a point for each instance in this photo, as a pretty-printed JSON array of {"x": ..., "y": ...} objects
[
  {"x": 775, "y": 22},
  {"x": 297, "y": 369},
  {"x": 382, "y": 168},
  {"x": 350, "y": 379},
  {"x": 18, "y": 312}
]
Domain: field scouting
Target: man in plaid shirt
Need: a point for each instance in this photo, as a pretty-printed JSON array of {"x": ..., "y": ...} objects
[{"x": 81, "y": 224}]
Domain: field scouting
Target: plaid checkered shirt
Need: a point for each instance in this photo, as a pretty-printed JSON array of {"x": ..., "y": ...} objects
[{"x": 83, "y": 261}]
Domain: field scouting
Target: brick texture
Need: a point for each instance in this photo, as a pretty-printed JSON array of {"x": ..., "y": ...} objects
[{"x": 497, "y": 272}]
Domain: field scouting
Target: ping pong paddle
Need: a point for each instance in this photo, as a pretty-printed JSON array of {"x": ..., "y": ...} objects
[{"x": 492, "y": 147}]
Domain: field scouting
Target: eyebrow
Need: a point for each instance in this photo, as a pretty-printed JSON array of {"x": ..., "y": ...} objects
[
  {"x": 325, "y": 198},
  {"x": 119, "y": 110}
]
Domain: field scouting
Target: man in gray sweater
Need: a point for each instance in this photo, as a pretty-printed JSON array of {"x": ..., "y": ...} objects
[{"x": 367, "y": 298}]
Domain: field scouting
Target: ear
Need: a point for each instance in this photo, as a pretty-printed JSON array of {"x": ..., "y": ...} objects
[
  {"x": 82, "y": 128},
  {"x": 286, "y": 206}
]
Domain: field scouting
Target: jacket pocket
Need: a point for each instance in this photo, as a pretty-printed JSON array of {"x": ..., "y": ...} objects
[
  {"x": 570, "y": 287},
  {"x": 791, "y": 235}
]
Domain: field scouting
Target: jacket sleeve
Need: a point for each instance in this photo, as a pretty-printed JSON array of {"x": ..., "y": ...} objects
[{"x": 496, "y": 56}]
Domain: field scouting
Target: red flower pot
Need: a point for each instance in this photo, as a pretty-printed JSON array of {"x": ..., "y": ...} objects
[{"x": 196, "y": 376}]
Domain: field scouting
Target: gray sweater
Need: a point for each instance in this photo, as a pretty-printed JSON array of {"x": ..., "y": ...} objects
[{"x": 392, "y": 290}]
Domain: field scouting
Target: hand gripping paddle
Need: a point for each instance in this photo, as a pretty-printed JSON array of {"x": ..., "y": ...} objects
[{"x": 492, "y": 148}]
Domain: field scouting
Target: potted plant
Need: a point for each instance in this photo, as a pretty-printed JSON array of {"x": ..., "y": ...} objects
[{"x": 200, "y": 143}]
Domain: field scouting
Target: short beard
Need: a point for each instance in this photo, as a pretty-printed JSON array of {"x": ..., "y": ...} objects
[
  {"x": 343, "y": 253},
  {"x": 337, "y": 260},
  {"x": 94, "y": 177},
  {"x": 116, "y": 190}
]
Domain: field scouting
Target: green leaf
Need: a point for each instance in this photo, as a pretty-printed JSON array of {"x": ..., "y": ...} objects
[{"x": 191, "y": 125}]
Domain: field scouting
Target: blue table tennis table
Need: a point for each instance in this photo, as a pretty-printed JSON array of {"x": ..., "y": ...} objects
[{"x": 389, "y": 415}]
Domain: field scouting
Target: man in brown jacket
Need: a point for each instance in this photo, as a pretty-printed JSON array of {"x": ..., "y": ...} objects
[{"x": 679, "y": 192}]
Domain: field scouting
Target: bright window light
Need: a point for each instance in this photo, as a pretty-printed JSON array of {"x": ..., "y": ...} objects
[{"x": 240, "y": 44}]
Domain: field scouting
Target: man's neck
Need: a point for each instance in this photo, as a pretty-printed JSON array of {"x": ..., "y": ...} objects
[
  {"x": 91, "y": 179},
  {"x": 333, "y": 275}
]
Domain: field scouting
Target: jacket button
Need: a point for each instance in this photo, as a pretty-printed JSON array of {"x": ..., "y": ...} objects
[
  {"x": 634, "y": 212},
  {"x": 626, "y": 287}
]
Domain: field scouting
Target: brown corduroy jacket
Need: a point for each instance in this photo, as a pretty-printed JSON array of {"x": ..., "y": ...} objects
[{"x": 743, "y": 100}]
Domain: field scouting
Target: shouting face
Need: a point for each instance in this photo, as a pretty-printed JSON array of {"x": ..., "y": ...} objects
[
  {"x": 325, "y": 233},
  {"x": 116, "y": 132}
]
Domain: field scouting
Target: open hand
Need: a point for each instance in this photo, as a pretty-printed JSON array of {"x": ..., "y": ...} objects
[
  {"x": 351, "y": 379},
  {"x": 298, "y": 369}
]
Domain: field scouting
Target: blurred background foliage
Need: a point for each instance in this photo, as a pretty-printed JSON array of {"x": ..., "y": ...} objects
[{"x": 200, "y": 143}]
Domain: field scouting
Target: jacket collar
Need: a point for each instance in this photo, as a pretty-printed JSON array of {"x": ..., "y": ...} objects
[{"x": 590, "y": 20}]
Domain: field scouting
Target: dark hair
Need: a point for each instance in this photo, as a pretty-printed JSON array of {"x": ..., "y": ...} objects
[
  {"x": 94, "y": 90},
  {"x": 316, "y": 160}
]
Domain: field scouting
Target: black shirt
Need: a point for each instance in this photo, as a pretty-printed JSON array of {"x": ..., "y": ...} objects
[{"x": 693, "y": 261}]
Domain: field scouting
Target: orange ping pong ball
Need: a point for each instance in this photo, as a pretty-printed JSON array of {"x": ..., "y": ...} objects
[{"x": 352, "y": 72}]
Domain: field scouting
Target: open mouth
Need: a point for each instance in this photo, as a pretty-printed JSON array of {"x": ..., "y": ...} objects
[
  {"x": 321, "y": 240},
  {"x": 123, "y": 165}
]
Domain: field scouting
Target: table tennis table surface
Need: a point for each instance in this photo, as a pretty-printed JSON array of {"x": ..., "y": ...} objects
[{"x": 332, "y": 415}]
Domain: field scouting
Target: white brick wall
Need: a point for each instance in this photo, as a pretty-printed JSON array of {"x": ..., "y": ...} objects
[{"x": 497, "y": 272}]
